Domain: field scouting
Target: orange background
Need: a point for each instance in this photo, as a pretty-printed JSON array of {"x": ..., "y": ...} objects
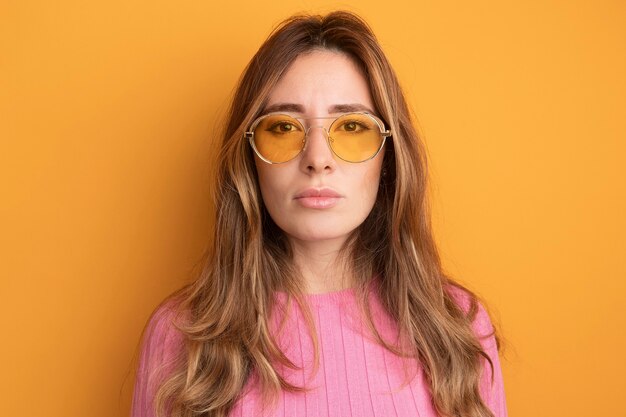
[{"x": 107, "y": 113}]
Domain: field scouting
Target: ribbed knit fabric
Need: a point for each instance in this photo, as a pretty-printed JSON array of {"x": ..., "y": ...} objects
[{"x": 357, "y": 377}]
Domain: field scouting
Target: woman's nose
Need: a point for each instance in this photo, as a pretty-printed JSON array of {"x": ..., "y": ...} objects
[{"x": 317, "y": 155}]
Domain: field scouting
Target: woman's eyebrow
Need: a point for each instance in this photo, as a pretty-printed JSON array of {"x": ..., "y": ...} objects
[
  {"x": 283, "y": 107},
  {"x": 299, "y": 108},
  {"x": 349, "y": 108}
]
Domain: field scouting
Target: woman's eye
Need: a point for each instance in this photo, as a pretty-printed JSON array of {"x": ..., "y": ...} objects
[
  {"x": 353, "y": 127},
  {"x": 283, "y": 127}
]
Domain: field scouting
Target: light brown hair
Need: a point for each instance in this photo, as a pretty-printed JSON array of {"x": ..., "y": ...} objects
[{"x": 228, "y": 306}]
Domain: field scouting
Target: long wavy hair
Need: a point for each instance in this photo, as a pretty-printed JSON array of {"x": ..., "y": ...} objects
[{"x": 228, "y": 307}]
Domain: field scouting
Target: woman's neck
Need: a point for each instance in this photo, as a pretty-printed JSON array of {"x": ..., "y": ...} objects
[{"x": 321, "y": 266}]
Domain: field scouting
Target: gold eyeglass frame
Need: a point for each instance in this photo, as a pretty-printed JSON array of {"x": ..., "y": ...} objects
[{"x": 249, "y": 134}]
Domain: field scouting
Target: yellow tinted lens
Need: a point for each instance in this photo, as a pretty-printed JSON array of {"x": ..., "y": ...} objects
[
  {"x": 278, "y": 138},
  {"x": 355, "y": 137}
]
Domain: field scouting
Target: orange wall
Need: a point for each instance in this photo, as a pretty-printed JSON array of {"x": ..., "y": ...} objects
[{"x": 107, "y": 112}]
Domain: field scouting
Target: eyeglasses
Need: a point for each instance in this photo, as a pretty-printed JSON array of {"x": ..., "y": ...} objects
[{"x": 352, "y": 137}]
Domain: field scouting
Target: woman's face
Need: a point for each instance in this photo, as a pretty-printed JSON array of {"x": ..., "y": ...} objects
[{"x": 317, "y": 196}]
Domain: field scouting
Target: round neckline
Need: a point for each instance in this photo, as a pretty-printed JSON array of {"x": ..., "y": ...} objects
[
  {"x": 331, "y": 294},
  {"x": 321, "y": 298},
  {"x": 343, "y": 296}
]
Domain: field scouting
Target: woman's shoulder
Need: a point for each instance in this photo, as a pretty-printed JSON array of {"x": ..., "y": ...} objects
[
  {"x": 163, "y": 338},
  {"x": 168, "y": 311},
  {"x": 162, "y": 346},
  {"x": 473, "y": 308},
  {"x": 491, "y": 384}
]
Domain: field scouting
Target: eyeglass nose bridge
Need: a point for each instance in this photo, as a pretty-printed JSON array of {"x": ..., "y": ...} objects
[{"x": 307, "y": 133}]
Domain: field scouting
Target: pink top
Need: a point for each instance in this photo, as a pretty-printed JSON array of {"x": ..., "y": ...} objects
[{"x": 356, "y": 378}]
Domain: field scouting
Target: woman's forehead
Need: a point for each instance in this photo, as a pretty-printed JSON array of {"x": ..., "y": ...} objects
[{"x": 321, "y": 81}]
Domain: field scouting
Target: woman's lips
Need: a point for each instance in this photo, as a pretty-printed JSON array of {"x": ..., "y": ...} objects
[{"x": 318, "y": 198}]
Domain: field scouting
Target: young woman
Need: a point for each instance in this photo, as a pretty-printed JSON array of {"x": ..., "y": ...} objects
[{"x": 323, "y": 293}]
